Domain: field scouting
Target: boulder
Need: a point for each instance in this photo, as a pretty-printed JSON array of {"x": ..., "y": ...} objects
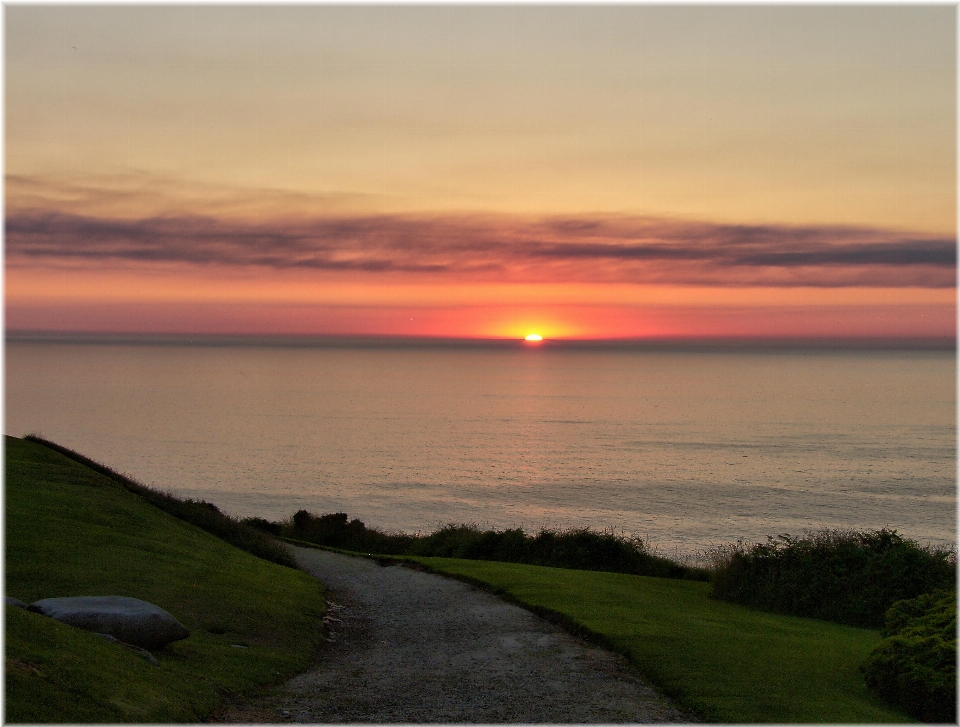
[{"x": 126, "y": 619}]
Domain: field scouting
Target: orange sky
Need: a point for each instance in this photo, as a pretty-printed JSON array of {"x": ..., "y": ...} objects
[{"x": 588, "y": 172}]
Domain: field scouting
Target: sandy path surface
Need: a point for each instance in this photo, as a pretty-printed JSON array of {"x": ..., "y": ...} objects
[{"x": 416, "y": 647}]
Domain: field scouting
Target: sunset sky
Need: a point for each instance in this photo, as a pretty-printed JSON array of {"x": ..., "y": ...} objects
[{"x": 576, "y": 171}]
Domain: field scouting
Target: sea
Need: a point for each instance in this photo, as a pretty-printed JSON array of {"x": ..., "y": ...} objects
[{"x": 690, "y": 448}]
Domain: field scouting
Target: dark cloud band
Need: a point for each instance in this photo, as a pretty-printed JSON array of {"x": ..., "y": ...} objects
[{"x": 597, "y": 248}]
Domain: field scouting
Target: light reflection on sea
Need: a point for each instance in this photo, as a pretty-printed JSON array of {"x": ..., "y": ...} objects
[{"x": 686, "y": 449}]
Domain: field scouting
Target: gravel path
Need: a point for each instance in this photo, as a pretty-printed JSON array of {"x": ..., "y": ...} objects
[{"x": 415, "y": 647}]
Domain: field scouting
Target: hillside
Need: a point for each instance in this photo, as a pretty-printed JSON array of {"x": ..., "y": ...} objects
[{"x": 72, "y": 531}]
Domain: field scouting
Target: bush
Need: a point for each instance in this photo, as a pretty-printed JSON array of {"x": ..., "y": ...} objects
[
  {"x": 263, "y": 525},
  {"x": 581, "y": 549},
  {"x": 845, "y": 576},
  {"x": 915, "y": 667},
  {"x": 204, "y": 515},
  {"x": 336, "y": 530}
]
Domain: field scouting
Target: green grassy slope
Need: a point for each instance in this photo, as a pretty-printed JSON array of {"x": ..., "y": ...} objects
[
  {"x": 71, "y": 531},
  {"x": 725, "y": 662}
]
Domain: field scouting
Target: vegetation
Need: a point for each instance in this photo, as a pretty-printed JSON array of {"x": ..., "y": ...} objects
[
  {"x": 73, "y": 531},
  {"x": 915, "y": 666},
  {"x": 581, "y": 549},
  {"x": 74, "y": 527},
  {"x": 847, "y": 577},
  {"x": 204, "y": 515},
  {"x": 724, "y": 662}
]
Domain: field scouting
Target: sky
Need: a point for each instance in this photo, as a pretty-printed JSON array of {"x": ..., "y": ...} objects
[{"x": 596, "y": 171}]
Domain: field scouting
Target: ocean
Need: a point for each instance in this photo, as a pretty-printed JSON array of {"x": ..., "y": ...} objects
[{"x": 686, "y": 448}]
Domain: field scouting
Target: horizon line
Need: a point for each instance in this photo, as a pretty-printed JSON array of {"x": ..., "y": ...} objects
[{"x": 314, "y": 340}]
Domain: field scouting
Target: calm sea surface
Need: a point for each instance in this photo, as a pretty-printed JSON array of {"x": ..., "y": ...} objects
[{"x": 687, "y": 449}]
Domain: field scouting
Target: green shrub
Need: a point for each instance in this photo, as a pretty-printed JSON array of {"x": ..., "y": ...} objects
[
  {"x": 204, "y": 515},
  {"x": 581, "y": 549},
  {"x": 915, "y": 667},
  {"x": 844, "y": 576}
]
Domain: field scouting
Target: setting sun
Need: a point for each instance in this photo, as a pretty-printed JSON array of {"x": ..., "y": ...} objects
[{"x": 534, "y": 337}]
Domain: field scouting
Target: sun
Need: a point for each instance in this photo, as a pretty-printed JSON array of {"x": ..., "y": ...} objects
[{"x": 533, "y": 337}]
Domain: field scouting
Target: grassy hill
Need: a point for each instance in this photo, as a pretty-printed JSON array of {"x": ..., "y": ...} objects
[{"x": 73, "y": 532}]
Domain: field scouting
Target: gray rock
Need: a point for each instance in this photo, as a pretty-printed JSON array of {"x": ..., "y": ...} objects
[
  {"x": 126, "y": 619},
  {"x": 11, "y": 602}
]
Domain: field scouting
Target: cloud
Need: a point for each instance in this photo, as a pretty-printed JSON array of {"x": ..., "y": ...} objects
[
  {"x": 140, "y": 194},
  {"x": 584, "y": 248}
]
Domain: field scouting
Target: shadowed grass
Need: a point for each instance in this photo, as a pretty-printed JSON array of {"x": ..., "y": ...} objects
[
  {"x": 725, "y": 662},
  {"x": 71, "y": 531}
]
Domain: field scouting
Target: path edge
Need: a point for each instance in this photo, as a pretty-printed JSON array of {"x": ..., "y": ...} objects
[{"x": 550, "y": 615}]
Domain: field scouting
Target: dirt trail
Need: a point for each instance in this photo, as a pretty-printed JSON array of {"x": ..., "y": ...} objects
[{"x": 416, "y": 647}]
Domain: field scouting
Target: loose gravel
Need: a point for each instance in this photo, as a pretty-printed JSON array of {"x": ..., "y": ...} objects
[{"x": 409, "y": 646}]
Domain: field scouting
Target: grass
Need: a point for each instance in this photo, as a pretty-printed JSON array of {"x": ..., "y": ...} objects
[
  {"x": 205, "y": 515},
  {"x": 73, "y": 531},
  {"x": 726, "y": 663}
]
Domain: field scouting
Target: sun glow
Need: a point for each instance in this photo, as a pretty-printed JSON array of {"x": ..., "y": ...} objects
[
  {"x": 543, "y": 322},
  {"x": 533, "y": 337}
]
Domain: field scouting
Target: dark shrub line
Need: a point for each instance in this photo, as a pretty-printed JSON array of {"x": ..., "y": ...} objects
[
  {"x": 915, "y": 666},
  {"x": 844, "y": 576},
  {"x": 581, "y": 548},
  {"x": 204, "y": 515}
]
